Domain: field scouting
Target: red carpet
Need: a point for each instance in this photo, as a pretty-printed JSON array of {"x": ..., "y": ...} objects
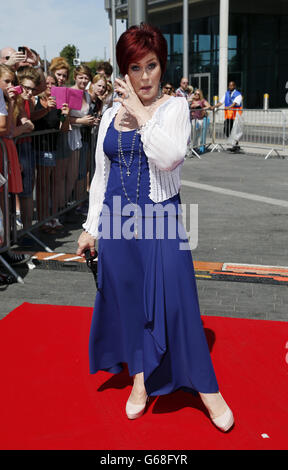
[{"x": 48, "y": 399}]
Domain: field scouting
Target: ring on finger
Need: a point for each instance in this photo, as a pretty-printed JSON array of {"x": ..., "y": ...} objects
[{"x": 126, "y": 96}]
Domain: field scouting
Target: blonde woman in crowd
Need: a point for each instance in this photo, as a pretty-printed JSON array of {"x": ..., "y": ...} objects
[
  {"x": 79, "y": 136},
  {"x": 7, "y": 80},
  {"x": 98, "y": 92},
  {"x": 198, "y": 114},
  {"x": 60, "y": 68},
  {"x": 8, "y": 103}
]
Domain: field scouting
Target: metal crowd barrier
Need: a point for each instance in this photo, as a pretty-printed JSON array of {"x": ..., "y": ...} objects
[
  {"x": 252, "y": 128},
  {"x": 6, "y": 214},
  {"x": 56, "y": 176},
  {"x": 201, "y": 137}
]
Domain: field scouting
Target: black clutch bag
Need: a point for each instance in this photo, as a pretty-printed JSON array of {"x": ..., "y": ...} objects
[{"x": 92, "y": 264}]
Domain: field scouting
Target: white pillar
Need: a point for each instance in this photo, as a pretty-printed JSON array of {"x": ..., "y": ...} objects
[
  {"x": 114, "y": 36},
  {"x": 185, "y": 39},
  {"x": 223, "y": 46},
  {"x": 137, "y": 12}
]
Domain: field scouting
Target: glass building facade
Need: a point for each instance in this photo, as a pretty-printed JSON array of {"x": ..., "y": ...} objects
[{"x": 257, "y": 47}]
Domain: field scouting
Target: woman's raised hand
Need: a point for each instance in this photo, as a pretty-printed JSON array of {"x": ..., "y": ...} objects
[
  {"x": 10, "y": 93},
  {"x": 130, "y": 100},
  {"x": 16, "y": 58},
  {"x": 126, "y": 91}
]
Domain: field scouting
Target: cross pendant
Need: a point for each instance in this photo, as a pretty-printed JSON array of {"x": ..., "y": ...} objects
[{"x": 128, "y": 173}]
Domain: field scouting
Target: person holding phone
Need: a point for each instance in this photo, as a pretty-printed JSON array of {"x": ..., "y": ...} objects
[
  {"x": 7, "y": 80},
  {"x": 47, "y": 117},
  {"x": 146, "y": 311},
  {"x": 15, "y": 186},
  {"x": 79, "y": 137},
  {"x": 28, "y": 79}
]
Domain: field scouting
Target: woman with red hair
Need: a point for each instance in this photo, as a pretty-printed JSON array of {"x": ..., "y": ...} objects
[{"x": 146, "y": 310}]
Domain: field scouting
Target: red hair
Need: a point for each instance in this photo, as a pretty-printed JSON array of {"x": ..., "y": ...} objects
[{"x": 138, "y": 41}]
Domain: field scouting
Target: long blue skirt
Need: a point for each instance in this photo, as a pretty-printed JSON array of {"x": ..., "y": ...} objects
[{"x": 147, "y": 314}]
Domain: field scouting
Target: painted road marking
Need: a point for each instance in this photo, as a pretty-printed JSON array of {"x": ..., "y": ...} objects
[
  {"x": 54, "y": 256},
  {"x": 240, "y": 194},
  {"x": 254, "y": 268},
  {"x": 73, "y": 259},
  {"x": 203, "y": 269}
]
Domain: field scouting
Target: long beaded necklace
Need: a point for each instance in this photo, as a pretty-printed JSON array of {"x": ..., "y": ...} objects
[
  {"x": 122, "y": 158},
  {"x": 128, "y": 172},
  {"x": 120, "y": 150}
]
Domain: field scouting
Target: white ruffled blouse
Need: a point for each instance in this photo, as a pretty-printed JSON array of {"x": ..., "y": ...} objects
[{"x": 164, "y": 137}]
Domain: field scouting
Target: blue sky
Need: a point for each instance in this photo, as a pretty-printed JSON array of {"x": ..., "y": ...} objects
[{"x": 55, "y": 24}]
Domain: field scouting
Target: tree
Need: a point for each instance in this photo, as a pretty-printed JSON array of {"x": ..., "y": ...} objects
[
  {"x": 93, "y": 64},
  {"x": 69, "y": 53}
]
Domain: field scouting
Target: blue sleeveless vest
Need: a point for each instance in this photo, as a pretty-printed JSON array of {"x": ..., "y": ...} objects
[{"x": 230, "y": 100}]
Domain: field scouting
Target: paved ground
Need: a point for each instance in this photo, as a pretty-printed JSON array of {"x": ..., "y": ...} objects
[{"x": 242, "y": 203}]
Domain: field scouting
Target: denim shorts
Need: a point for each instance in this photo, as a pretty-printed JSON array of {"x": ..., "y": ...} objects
[{"x": 27, "y": 161}]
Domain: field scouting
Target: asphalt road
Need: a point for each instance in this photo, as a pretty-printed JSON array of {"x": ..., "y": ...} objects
[{"x": 242, "y": 217}]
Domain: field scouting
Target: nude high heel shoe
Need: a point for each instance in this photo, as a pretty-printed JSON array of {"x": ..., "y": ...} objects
[
  {"x": 225, "y": 421},
  {"x": 134, "y": 411}
]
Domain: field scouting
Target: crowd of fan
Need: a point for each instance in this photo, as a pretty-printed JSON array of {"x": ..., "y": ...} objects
[{"x": 47, "y": 160}]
